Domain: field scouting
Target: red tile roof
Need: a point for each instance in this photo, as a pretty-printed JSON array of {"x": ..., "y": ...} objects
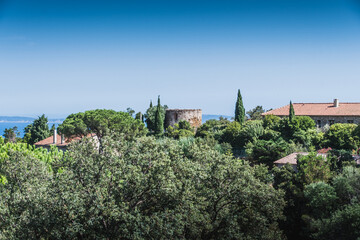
[
  {"x": 292, "y": 158},
  {"x": 318, "y": 109},
  {"x": 50, "y": 141}
]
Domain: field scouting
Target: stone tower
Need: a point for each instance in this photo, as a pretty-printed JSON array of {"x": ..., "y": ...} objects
[{"x": 193, "y": 116}]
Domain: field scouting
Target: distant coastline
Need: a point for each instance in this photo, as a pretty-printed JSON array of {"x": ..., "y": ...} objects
[
  {"x": 27, "y": 121},
  {"x": 17, "y": 119},
  {"x": 22, "y": 122}
]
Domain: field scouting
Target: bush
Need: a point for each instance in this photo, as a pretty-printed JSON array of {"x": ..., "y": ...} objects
[
  {"x": 338, "y": 159},
  {"x": 266, "y": 152},
  {"x": 232, "y": 135},
  {"x": 180, "y": 130},
  {"x": 341, "y": 136},
  {"x": 289, "y": 128},
  {"x": 212, "y": 128},
  {"x": 313, "y": 168},
  {"x": 271, "y": 122}
]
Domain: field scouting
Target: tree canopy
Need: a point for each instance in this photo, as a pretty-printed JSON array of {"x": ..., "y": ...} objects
[
  {"x": 141, "y": 189},
  {"x": 11, "y": 134},
  {"x": 255, "y": 113},
  {"x": 101, "y": 122},
  {"x": 150, "y": 115}
]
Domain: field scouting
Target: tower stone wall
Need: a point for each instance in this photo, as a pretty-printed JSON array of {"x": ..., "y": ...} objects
[{"x": 193, "y": 116}]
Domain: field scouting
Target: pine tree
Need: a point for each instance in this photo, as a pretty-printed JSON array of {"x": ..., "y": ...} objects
[
  {"x": 291, "y": 112},
  {"x": 239, "y": 109},
  {"x": 159, "y": 121},
  {"x": 38, "y": 130},
  {"x": 151, "y": 104}
]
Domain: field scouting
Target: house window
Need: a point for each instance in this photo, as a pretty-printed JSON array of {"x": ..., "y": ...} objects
[
  {"x": 350, "y": 121},
  {"x": 318, "y": 123},
  {"x": 331, "y": 122}
]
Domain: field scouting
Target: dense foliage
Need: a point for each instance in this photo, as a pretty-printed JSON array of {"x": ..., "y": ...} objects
[
  {"x": 342, "y": 136},
  {"x": 141, "y": 189},
  {"x": 335, "y": 208},
  {"x": 180, "y": 130}
]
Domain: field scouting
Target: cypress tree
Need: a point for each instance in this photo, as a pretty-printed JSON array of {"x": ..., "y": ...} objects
[
  {"x": 291, "y": 112},
  {"x": 239, "y": 109},
  {"x": 151, "y": 104},
  {"x": 159, "y": 121}
]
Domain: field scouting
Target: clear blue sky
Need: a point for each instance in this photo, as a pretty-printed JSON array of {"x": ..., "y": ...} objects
[{"x": 64, "y": 56}]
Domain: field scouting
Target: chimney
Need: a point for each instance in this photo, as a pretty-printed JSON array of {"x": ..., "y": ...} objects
[
  {"x": 54, "y": 137},
  {"x": 336, "y": 102},
  {"x": 62, "y": 139}
]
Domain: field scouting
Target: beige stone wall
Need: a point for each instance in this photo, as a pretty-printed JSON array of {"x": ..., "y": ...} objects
[
  {"x": 193, "y": 116},
  {"x": 337, "y": 119}
]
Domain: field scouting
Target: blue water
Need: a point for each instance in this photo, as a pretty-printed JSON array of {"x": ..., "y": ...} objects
[{"x": 20, "y": 125}]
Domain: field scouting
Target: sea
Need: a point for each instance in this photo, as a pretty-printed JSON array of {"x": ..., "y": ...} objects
[
  {"x": 20, "y": 125},
  {"x": 22, "y": 122}
]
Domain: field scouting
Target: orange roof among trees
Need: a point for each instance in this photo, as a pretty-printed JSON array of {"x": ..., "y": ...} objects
[
  {"x": 318, "y": 109},
  {"x": 50, "y": 140}
]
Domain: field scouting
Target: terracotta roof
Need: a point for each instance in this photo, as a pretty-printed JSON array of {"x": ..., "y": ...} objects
[
  {"x": 318, "y": 109},
  {"x": 324, "y": 150},
  {"x": 292, "y": 158},
  {"x": 50, "y": 141}
]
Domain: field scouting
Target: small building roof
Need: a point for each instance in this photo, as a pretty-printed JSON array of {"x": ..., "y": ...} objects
[
  {"x": 292, "y": 158},
  {"x": 318, "y": 109},
  {"x": 50, "y": 141}
]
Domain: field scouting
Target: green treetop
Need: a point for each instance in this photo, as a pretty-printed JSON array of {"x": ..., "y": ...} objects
[
  {"x": 239, "y": 109},
  {"x": 101, "y": 122},
  {"x": 10, "y": 134},
  {"x": 159, "y": 119},
  {"x": 255, "y": 114},
  {"x": 150, "y": 116},
  {"x": 38, "y": 130},
  {"x": 291, "y": 112}
]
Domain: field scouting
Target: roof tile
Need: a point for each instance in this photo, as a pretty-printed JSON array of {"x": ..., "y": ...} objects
[{"x": 318, "y": 109}]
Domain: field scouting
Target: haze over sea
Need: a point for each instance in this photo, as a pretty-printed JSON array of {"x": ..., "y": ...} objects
[{"x": 22, "y": 122}]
